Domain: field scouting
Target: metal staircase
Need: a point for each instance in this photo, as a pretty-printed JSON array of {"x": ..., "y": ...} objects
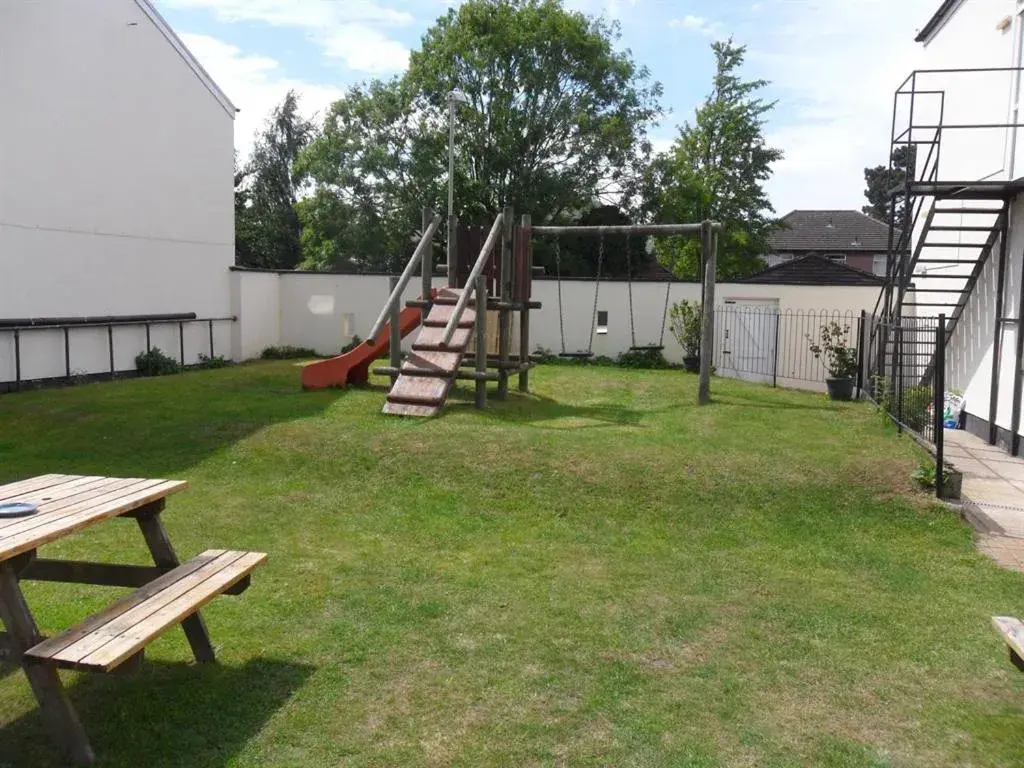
[{"x": 943, "y": 232}]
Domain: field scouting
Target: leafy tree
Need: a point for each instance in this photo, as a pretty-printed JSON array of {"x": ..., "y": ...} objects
[
  {"x": 267, "y": 227},
  {"x": 581, "y": 253},
  {"x": 556, "y": 119},
  {"x": 716, "y": 170},
  {"x": 881, "y": 179}
]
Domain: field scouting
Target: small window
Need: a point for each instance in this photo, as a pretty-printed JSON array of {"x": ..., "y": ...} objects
[
  {"x": 879, "y": 265},
  {"x": 602, "y": 321},
  {"x": 836, "y": 258}
]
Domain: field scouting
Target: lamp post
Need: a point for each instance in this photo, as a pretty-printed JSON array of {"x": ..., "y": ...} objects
[{"x": 455, "y": 97}]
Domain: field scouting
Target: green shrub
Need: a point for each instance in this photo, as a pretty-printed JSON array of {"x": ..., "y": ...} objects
[
  {"x": 686, "y": 323},
  {"x": 356, "y": 341},
  {"x": 839, "y": 358},
  {"x": 156, "y": 363},
  {"x": 286, "y": 353},
  {"x": 648, "y": 359},
  {"x": 217, "y": 361}
]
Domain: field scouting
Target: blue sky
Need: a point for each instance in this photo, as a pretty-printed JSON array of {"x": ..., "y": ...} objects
[{"x": 833, "y": 65}]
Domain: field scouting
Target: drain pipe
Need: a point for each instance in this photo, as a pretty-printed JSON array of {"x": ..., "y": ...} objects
[{"x": 1018, "y": 58}]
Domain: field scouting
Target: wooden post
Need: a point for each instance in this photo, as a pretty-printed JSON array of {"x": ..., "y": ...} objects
[
  {"x": 58, "y": 714},
  {"x": 505, "y": 315},
  {"x": 394, "y": 334},
  {"x": 453, "y": 251},
  {"x": 427, "y": 263},
  {"x": 164, "y": 556},
  {"x": 524, "y": 312},
  {"x": 709, "y": 256},
  {"x": 481, "y": 339}
]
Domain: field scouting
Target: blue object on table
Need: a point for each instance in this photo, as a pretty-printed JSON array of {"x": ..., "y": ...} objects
[{"x": 17, "y": 509}]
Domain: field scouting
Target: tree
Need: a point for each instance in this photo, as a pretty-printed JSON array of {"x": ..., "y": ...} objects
[
  {"x": 881, "y": 180},
  {"x": 556, "y": 119},
  {"x": 267, "y": 227},
  {"x": 716, "y": 170}
]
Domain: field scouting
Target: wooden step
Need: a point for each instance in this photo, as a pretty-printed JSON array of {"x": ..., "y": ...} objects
[
  {"x": 431, "y": 338},
  {"x": 106, "y": 640},
  {"x": 1012, "y": 630},
  {"x": 411, "y": 409},
  {"x": 440, "y": 315},
  {"x": 431, "y": 362},
  {"x": 420, "y": 390}
]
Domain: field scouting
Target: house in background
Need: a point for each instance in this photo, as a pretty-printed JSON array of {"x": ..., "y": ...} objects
[
  {"x": 844, "y": 237},
  {"x": 116, "y": 188}
]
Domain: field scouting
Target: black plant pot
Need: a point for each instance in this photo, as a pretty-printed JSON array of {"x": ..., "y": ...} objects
[
  {"x": 692, "y": 364},
  {"x": 840, "y": 389}
]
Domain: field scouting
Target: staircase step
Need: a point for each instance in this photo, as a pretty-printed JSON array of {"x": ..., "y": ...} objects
[
  {"x": 430, "y": 338},
  {"x": 439, "y": 315},
  {"x": 965, "y": 228},
  {"x": 989, "y": 211},
  {"x": 431, "y": 362},
  {"x": 420, "y": 390},
  {"x": 953, "y": 245}
]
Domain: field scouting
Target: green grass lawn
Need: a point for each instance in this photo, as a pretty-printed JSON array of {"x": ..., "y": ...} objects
[{"x": 600, "y": 574}]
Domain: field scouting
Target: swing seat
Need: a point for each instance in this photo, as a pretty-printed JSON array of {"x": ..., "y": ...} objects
[
  {"x": 649, "y": 348},
  {"x": 576, "y": 355}
]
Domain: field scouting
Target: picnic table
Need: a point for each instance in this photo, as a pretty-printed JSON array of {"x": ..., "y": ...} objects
[{"x": 167, "y": 593}]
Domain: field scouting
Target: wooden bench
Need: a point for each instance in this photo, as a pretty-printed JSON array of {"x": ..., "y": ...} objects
[
  {"x": 1012, "y": 630},
  {"x": 105, "y": 641}
]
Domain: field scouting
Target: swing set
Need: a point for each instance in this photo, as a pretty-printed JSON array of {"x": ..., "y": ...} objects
[{"x": 628, "y": 230}]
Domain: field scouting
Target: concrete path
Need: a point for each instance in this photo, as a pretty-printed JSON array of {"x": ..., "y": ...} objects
[{"x": 993, "y": 495}]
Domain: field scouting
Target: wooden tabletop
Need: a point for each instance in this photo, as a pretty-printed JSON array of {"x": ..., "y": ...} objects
[{"x": 69, "y": 503}]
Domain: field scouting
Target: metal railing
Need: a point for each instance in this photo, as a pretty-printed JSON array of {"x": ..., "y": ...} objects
[
  {"x": 18, "y": 329},
  {"x": 907, "y": 379},
  {"x": 774, "y": 347}
]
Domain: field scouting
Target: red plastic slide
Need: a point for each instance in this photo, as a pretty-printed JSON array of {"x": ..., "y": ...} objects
[{"x": 353, "y": 367}]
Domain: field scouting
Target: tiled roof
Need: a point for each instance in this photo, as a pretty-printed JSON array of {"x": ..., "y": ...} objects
[
  {"x": 813, "y": 270},
  {"x": 830, "y": 232}
]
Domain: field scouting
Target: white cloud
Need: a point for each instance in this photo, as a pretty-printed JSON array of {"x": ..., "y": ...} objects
[
  {"x": 364, "y": 49},
  {"x": 836, "y": 66},
  {"x": 256, "y": 84},
  {"x": 697, "y": 24},
  {"x": 347, "y": 30}
]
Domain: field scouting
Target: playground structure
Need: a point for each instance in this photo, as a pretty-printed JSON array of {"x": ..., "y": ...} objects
[{"x": 468, "y": 329}]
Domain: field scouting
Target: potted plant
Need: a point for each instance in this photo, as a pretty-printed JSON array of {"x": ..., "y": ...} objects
[
  {"x": 839, "y": 358},
  {"x": 685, "y": 321}
]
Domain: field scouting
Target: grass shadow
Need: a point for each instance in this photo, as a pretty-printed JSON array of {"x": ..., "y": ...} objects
[
  {"x": 141, "y": 721},
  {"x": 773, "y": 403},
  {"x": 149, "y": 427}
]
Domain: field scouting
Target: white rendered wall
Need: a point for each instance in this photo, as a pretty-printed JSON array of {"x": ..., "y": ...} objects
[{"x": 118, "y": 196}]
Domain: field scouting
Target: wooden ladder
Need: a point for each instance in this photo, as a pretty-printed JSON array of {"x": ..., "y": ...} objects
[{"x": 428, "y": 374}]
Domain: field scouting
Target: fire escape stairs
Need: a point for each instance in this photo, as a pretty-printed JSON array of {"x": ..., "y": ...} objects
[{"x": 954, "y": 245}]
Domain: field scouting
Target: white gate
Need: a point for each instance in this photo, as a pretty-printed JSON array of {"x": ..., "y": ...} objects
[{"x": 748, "y": 339}]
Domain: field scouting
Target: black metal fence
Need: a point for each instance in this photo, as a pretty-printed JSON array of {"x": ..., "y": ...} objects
[
  {"x": 774, "y": 347},
  {"x": 906, "y": 377},
  {"x": 900, "y": 365},
  {"x": 101, "y": 364}
]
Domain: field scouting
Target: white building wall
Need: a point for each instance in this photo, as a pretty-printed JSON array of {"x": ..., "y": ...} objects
[
  {"x": 976, "y": 36},
  {"x": 118, "y": 198}
]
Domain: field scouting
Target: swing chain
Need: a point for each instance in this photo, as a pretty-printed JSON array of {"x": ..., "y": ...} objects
[
  {"x": 664, "y": 313},
  {"x": 558, "y": 282},
  {"x": 629, "y": 288},
  {"x": 597, "y": 290}
]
